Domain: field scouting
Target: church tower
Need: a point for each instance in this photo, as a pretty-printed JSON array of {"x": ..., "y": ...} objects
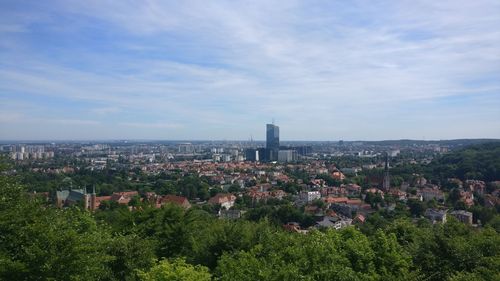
[
  {"x": 386, "y": 184},
  {"x": 85, "y": 199},
  {"x": 93, "y": 199}
]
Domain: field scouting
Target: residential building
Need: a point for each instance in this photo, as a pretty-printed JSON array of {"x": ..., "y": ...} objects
[
  {"x": 431, "y": 193},
  {"x": 230, "y": 214},
  {"x": 265, "y": 195},
  {"x": 475, "y": 186},
  {"x": 224, "y": 200},
  {"x": 436, "y": 216},
  {"x": 173, "y": 199},
  {"x": 463, "y": 216},
  {"x": 334, "y": 222},
  {"x": 252, "y": 154},
  {"x": 309, "y": 196},
  {"x": 124, "y": 197}
]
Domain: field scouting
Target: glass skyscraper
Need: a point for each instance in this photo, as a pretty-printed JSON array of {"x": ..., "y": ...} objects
[{"x": 272, "y": 141}]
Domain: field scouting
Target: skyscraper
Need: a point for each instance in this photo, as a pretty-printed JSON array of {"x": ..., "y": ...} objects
[{"x": 272, "y": 141}]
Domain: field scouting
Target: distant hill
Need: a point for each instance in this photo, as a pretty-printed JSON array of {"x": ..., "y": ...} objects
[
  {"x": 456, "y": 142},
  {"x": 478, "y": 161}
]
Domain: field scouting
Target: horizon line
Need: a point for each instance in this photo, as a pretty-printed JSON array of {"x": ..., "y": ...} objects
[{"x": 235, "y": 140}]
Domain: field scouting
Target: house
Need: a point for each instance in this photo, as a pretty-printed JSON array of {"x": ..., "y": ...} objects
[
  {"x": 317, "y": 183},
  {"x": 334, "y": 222},
  {"x": 100, "y": 199},
  {"x": 337, "y": 175},
  {"x": 123, "y": 197},
  {"x": 398, "y": 194},
  {"x": 436, "y": 216},
  {"x": 345, "y": 209},
  {"x": 352, "y": 189},
  {"x": 333, "y": 190},
  {"x": 230, "y": 214},
  {"x": 475, "y": 186},
  {"x": 462, "y": 216},
  {"x": 294, "y": 227},
  {"x": 265, "y": 195},
  {"x": 375, "y": 191},
  {"x": 491, "y": 201},
  {"x": 417, "y": 197},
  {"x": 359, "y": 219},
  {"x": 225, "y": 200},
  {"x": 429, "y": 193},
  {"x": 173, "y": 199},
  {"x": 334, "y": 200},
  {"x": 467, "y": 197}
]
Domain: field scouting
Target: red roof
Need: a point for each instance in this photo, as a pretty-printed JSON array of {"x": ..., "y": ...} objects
[
  {"x": 179, "y": 200},
  {"x": 354, "y": 202},
  {"x": 222, "y": 198},
  {"x": 360, "y": 218},
  {"x": 333, "y": 200},
  {"x": 123, "y": 197}
]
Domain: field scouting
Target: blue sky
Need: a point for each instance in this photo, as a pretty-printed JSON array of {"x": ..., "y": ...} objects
[{"x": 323, "y": 70}]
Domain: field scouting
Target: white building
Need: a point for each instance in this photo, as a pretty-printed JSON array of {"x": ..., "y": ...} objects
[
  {"x": 309, "y": 196},
  {"x": 394, "y": 153},
  {"x": 226, "y": 158}
]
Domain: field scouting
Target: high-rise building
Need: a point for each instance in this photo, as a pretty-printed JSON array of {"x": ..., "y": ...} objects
[
  {"x": 263, "y": 154},
  {"x": 287, "y": 156},
  {"x": 252, "y": 154},
  {"x": 272, "y": 141}
]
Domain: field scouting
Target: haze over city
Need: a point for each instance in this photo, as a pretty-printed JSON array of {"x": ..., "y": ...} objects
[{"x": 324, "y": 70}]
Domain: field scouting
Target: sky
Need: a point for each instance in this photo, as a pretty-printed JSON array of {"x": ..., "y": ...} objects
[{"x": 221, "y": 70}]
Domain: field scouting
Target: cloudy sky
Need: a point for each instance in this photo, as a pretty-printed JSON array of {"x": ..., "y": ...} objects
[{"x": 323, "y": 70}]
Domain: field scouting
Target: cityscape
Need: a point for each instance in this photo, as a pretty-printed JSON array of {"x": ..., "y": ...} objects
[
  {"x": 250, "y": 140},
  {"x": 298, "y": 187}
]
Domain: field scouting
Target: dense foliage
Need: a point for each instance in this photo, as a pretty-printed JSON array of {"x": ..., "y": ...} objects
[
  {"x": 40, "y": 242},
  {"x": 481, "y": 162}
]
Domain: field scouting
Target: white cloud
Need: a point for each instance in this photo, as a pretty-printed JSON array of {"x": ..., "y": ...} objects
[
  {"x": 74, "y": 122},
  {"x": 105, "y": 110},
  {"x": 320, "y": 68},
  {"x": 8, "y": 117}
]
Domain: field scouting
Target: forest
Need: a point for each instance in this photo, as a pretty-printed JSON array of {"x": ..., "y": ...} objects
[{"x": 481, "y": 162}]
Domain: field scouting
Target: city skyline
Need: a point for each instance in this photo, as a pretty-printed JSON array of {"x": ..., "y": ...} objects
[{"x": 94, "y": 70}]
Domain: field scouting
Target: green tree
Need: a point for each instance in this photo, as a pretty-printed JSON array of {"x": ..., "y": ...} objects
[
  {"x": 175, "y": 270},
  {"x": 417, "y": 207},
  {"x": 43, "y": 243},
  {"x": 131, "y": 253}
]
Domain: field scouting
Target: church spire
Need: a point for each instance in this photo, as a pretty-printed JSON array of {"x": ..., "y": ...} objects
[{"x": 386, "y": 184}]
